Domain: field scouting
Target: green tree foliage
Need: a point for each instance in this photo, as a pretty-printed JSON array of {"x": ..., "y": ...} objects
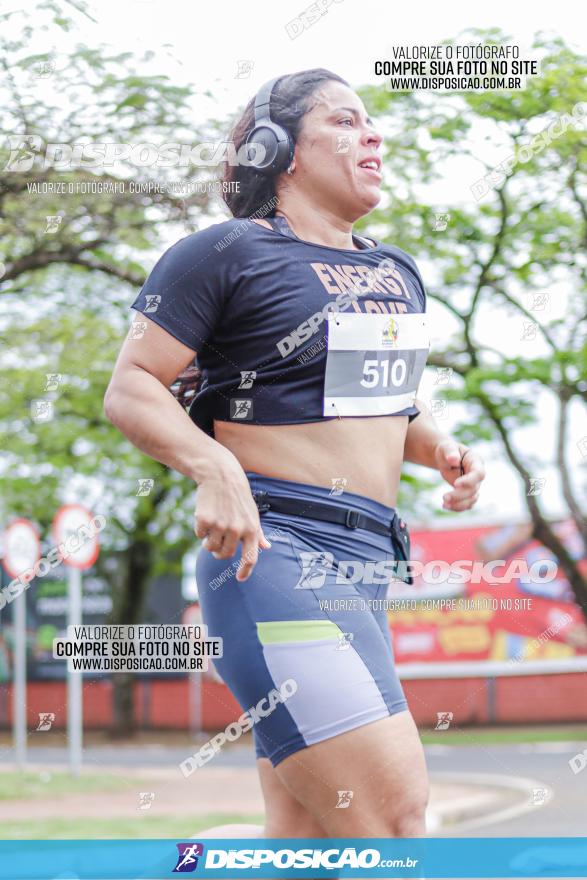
[
  {"x": 516, "y": 247},
  {"x": 65, "y": 296}
]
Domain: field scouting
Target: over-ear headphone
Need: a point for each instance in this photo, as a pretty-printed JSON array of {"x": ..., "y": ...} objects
[{"x": 277, "y": 142}]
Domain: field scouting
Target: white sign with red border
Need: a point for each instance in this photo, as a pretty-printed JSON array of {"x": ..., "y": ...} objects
[
  {"x": 73, "y": 527},
  {"x": 22, "y": 547}
]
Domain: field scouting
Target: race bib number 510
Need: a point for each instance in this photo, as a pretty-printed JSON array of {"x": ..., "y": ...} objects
[{"x": 374, "y": 363}]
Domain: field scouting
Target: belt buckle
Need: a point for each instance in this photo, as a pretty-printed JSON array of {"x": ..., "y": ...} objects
[
  {"x": 258, "y": 498},
  {"x": 352, "y": 519}
]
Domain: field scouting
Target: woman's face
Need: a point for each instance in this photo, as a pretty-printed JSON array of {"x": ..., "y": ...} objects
[{"x": 335, "y": 142}]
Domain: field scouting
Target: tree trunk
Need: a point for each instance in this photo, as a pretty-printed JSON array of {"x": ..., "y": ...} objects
[
  {"x": 127, "y": 609},
  {"x": 542, "y": 529}
]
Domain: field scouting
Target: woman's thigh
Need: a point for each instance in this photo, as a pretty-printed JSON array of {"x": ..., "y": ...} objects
[
  {"x": 369, "y": 782},
  {"x": 322, "y": 640},
  {"x": 343, "y": 746}
]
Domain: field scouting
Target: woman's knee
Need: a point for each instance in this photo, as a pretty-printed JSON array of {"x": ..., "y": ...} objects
[
  {"x": 296, "y": 824},
  {"x": 409, "y": 824},
  {"x": 406, "y": 817},
  {"x": 379, "y": 813}
]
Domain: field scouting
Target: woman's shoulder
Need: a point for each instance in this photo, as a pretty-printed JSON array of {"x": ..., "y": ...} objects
[
  {"x": 393, "y": 250},
  {"x": 402, "y": 257},
  {"x": 405, "y": 261},
  {"x": 217, "y": 233},
  {"x": 231, "y": 238}
]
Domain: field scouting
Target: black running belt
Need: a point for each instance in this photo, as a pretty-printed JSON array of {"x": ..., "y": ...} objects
[{"x": 352, "y": 519}]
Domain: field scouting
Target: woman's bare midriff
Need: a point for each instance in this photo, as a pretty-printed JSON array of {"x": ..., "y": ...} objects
[{"x": 366, "y": 452}]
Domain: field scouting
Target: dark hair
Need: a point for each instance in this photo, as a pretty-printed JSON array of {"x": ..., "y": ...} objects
[{"x": 290, "y": 101}]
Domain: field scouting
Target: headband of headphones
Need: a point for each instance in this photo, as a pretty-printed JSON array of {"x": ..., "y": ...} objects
[
  {"x": 263, "y": 100},
  {"x": 273, "y": 146}
]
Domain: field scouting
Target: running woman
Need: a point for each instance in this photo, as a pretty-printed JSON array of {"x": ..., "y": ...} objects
[{"x": 311, "y": 341}]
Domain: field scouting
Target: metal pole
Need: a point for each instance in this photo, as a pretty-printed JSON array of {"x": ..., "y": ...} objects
[
  {"x": 195, "y": 686},
  {"x": 19, "y": 681},
  {"x": 74, "y": 679}
]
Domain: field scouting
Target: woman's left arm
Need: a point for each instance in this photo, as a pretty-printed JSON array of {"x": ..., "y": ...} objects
[{"x": 459, "y": 465}]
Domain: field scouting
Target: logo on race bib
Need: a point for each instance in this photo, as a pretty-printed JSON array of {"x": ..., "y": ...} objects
[{"x": 390, "y": 334}]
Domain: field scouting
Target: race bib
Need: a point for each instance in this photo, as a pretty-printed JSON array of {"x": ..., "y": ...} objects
[{"x": 374, "y": 363}]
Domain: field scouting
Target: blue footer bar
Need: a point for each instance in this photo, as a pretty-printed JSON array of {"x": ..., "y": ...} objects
[{"x": 472, "y": 857}]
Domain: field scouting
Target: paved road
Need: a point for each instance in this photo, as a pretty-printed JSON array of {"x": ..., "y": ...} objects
[
  {"x": 561, "y": 810},
  {"x": 561, "y": 795}
]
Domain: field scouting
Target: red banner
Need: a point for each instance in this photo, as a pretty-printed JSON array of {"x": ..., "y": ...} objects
[{"x": 531, "y": 615}]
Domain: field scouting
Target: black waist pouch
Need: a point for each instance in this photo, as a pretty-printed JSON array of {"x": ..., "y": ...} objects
[{"x": 400, "y": 539}]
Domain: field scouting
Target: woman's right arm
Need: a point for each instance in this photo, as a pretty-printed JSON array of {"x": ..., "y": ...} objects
[{"x": 139, "y": 403}]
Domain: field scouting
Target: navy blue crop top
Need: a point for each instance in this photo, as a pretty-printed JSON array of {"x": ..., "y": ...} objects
[{"x": 259, "y": 306}]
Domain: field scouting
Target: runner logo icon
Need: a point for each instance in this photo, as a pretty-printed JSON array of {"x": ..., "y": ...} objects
[
  {"x": 314, "y": 567},
  {"x": 187, "y": 860}
]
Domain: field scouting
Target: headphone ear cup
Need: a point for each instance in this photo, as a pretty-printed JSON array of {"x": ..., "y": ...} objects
[{"x": 269, "y": 148}]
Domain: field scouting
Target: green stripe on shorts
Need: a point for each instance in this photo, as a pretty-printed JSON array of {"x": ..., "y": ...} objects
[{"x": 273, "y": 632}]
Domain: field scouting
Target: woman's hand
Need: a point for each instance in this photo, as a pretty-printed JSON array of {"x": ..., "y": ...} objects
[
  {"x": 463, "y": 469},
  {"x": 226, "y": 514}
]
